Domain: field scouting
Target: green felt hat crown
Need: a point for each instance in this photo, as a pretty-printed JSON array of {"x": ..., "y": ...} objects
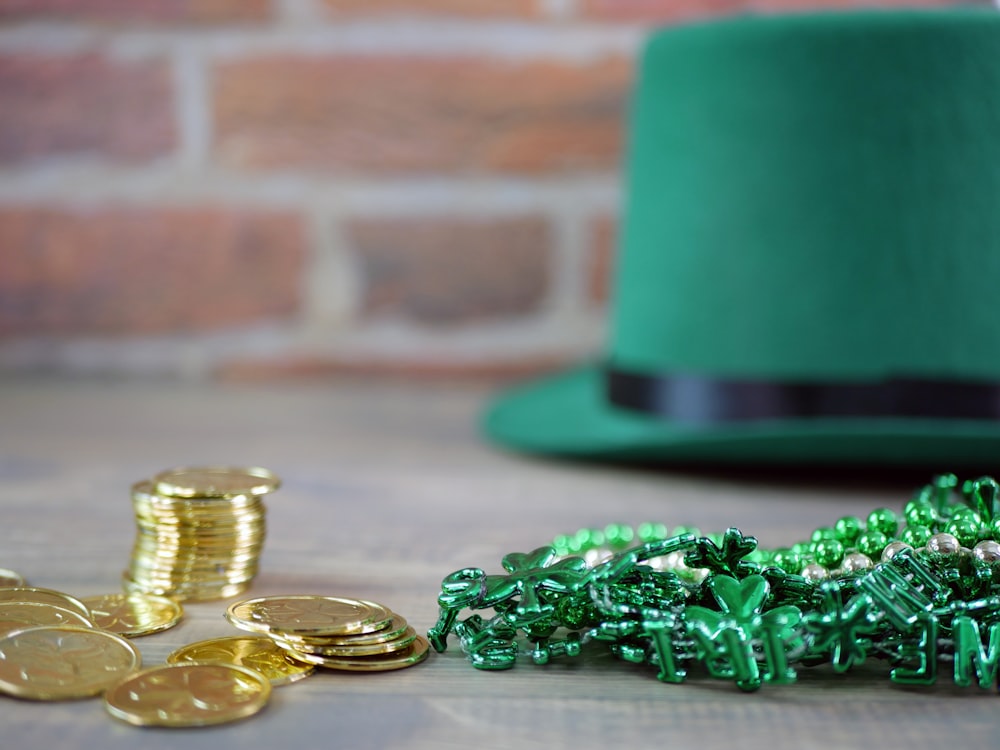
[{"x": 810, "y": 251}]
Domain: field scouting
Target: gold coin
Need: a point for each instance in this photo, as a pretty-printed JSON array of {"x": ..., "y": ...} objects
[
  {"x": 133, "y": 614},
  {"x": 146, "y": 496},
  {"x": 20, "y": 615},
  {"x": 413, "y": 654},
  {"x": 406, "y": 638},
  {"x": 308, "y": 614},
  {"x": 10, "y": 578},
  {"x": 392, "y": 630},
  {"x": 255, "y": 652},
  {"x": 215, "y": 481},
  {"x": 188, "y": 592},
  {"x": 64, "y": 662},
  {"x": 45, "y": 596},
  {"x": 188, "y": 695}
]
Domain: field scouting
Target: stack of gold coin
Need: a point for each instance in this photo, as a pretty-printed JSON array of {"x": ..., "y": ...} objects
[
  {"x": 333, "y": 632},
  {"x": 200, "y": 531}
]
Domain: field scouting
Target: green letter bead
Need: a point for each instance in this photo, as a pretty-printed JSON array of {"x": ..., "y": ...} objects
[
  {"x": 971, "y": 656},
  {"x": 660, "y": 631},
  {"x": 923, "y": 649}
]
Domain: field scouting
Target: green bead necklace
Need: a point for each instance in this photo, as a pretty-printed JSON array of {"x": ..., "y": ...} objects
[{"x": 911, "y": 589}]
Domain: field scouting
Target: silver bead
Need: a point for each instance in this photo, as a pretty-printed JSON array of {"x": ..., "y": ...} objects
[
  {"x": 987, "y": 551},
  {"x": 943, "y": 544},
  {"x": 597, "y": 556},
  {"x": 815, "y": 572},
  {"x": 892, "y": 548},
  {"x": 855, "y": 562}
]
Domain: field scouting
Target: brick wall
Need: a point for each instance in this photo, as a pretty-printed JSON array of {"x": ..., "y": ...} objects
[{"x": 248, "y": 188}]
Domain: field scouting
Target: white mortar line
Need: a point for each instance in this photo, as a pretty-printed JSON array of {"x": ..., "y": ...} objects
[
  {"x": 191, "y": 107},
  {"x": 163, "y": 184},
  {"x": 331, "y": 287},
  {"x": 573, "y": 43}
]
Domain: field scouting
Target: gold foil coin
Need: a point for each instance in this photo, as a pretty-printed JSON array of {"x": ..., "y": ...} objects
[
  {"x": 215, "y": 481},
  {"x": 188, "y": 695},
  {"x": 20, "y": 615},
  {"x": 133, "y": 614},
  {"x": 390, "y": 632},
  {"x": 204, "y": 545},
  {"x": 413, "y": 654},
  {"x": 10, "y": 578},
  {"x": 406, "y": 638},
  {"x": 44, "y": 596},
  {"x": 308, "y": 615},
  {"x": 255, "y": 652},
  {"x": 65, "y": 662}
]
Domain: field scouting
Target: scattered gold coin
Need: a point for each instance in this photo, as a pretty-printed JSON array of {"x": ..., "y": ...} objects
[
  {"x": 255, "y": 652},
  {"x": 10, "y": 578},
  {"x": 133, "y": 614},
  {"x": 216, "y": 481},
  {"x": 304, "y": 651},
  {"x": 44, "y": 596},
  {"x": 20, "y": 615},
  {"x": 188, "y": 695},
  {"x": 64, "y": 662},
  {"x": 308, "y": 615}
]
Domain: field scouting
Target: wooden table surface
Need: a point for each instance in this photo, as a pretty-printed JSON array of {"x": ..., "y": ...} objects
[{"x": 386, "y": 490}]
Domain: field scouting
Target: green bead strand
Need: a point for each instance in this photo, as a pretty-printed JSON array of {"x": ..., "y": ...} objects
[
  {"x": 882, "y": 520},
  {"x": 848, "y": 530},
  {"x": 871, "y": 543}
]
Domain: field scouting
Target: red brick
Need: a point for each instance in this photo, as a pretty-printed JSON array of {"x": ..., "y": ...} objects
[
  {"x": 121, "y": 12},
  {"x": 463, "y": 8},
  {"x": 118, "y": 271},
  {"x": 604, "y": 240},
  {"x": 448, "y": 271},
  {"x": 84, "y": 106},
  {"x": 659, "y": 11},
  {"x": 413, "y": 115}
]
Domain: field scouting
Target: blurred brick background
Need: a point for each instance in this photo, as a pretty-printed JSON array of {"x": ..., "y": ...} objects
[{"x": 267, "y": 188}]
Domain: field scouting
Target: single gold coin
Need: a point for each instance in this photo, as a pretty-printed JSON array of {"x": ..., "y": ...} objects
[
  {"x": 63, "y": 662},
  {"x": 20, "y": 615},
  {"x": 413, "y": 654},
  {"x": 406, "y": 638},
  {"x": 10, "y": 578},
  {"x": 188, "y": 695},
  {"x": 215, "y": 481},
  {"x": 45, "y": 596},
  {"x": 256, "y": 652},
  {"x": 132, "y": 615},
  {"x": 308, "y": 615}
]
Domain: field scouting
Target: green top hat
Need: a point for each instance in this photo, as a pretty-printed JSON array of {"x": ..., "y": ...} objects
[{"x": 810, "y": 256}]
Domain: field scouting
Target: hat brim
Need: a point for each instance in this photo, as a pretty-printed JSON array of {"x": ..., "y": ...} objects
[{"x": 567, "y": 415}]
